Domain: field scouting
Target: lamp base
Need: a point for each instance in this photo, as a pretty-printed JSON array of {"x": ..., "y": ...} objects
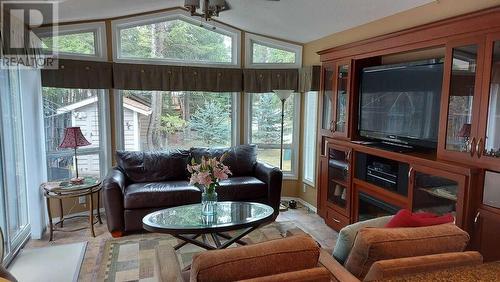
[{"x": 77, "y": 180}]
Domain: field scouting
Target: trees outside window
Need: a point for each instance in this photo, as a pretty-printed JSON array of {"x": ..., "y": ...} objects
[
  {"x": 77, "y": 43},
  {"x": 155, "y": 120},
  {"x": 175, "y": 40},
  {"x": 269, "y": 55},
  {"x": 265, "y": 128}
]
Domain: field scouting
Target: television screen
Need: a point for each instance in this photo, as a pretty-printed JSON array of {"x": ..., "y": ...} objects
[{"x": 401, "y": 103}]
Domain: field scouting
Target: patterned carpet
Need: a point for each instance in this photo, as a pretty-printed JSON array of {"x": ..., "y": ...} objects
[{"x": 132, "y": 258}]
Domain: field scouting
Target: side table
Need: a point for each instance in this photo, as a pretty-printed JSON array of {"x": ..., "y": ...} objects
[{"x": 64, "y": 190}]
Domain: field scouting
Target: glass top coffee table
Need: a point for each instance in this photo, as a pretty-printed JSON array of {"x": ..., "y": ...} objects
[{"x": 187, "y": 223}]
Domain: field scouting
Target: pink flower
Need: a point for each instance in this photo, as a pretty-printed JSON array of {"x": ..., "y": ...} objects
[{"x": 220, "y": 174}]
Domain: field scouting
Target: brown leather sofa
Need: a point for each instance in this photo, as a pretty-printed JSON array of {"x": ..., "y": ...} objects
[
  {"x": 143, "y": 182},
  {"x": 377, "y": 254}
]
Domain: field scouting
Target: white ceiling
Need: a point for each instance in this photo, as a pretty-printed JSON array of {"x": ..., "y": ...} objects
[{"x": 296, "y": 20}]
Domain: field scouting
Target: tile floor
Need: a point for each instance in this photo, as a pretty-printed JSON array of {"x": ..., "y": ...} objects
[{"x": 302, "y": 217}]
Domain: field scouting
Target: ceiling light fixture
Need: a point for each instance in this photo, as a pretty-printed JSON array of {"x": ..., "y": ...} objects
[{"x": 210, "y": 9}]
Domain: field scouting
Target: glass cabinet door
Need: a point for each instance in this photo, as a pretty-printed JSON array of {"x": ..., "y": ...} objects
[
  {"x": 342, "y": 99},
  {"x": 459, "y": 132},
  {"x": 327, "y": 106},
  {"x": 338, "y": 177},
  {"x": 437, "y": 192},
  {"x": 489, "y": 145}
]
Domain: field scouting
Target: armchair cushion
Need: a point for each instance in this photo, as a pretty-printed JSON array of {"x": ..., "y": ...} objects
[
  {"x": 407, "y": 266},
  {"x": 346, "y": 237},
  {"x": 374, "y": 244},
  {"x": 264, "y": 259},
  {"x": 154, "y": 166}
]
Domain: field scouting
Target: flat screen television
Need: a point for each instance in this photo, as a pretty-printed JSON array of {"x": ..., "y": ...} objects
[{"x": 400, "y": 103}]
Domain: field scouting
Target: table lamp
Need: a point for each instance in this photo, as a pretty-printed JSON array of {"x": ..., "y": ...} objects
[{"x": 73, "y": 138}]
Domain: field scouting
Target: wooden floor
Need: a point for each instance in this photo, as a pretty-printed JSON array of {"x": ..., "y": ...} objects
[{"x": 302, "y": 217}]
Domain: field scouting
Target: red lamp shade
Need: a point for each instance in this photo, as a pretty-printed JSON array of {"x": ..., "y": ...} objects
[
  {"x": 465, "y": 130},
  {"x": 73, "y": 138}
]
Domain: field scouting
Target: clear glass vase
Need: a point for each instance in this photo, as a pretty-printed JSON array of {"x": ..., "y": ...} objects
[{"x": 208, "y": 201}]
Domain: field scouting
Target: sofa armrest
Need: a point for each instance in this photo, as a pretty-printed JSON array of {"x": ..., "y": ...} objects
[
  {"x": 113, "y": 186},
  {"x": 168, "y": 265},
  {"x": 337, "y": 271},
  {"x": 413, "y": 265},
  {"x": 273, "y": 177}
]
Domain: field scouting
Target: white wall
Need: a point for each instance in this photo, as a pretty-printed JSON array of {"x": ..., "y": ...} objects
[{"x": 36, "y": 167}]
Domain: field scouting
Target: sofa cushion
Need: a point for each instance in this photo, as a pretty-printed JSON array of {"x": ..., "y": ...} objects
[
  {"x": 374, "y": 244},
  {"x": 405, "y": 218},
  {"x": 241, "y": 188},
  {"x": 346, "y": 237},
  {"x": 154, "y": 166},
  {"x": 160, "y": 194},
  {"x": 240, "y": 159}
]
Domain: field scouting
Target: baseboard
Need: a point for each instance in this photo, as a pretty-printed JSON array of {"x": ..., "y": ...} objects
[
  {"x": 83, "y": 213},
  {"x": 304, "y": 203}
]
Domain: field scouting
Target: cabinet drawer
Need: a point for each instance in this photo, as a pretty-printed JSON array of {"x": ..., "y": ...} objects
[{"x": 336, "y": 220}]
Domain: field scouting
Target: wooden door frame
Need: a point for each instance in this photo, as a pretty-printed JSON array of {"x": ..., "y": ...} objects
[
  {"x": 442, "y": 152},
  {"x": 462, "y": 193},
  {"x": 345, "y": 134},
  {"x": 486, "y": 162}
]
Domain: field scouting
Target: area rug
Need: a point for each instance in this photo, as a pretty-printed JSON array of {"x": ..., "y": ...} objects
[
  {"x": 132, "y": 258},
  {"x": 47, "y": 264}
]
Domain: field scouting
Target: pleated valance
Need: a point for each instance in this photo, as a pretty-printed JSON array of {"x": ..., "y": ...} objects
[
  {"x": 309, "y": 78},
  {"x": 106, "y": 75},
  {"x": 176, "y": 78},
  {"x": 267, "y": 80},
  {"x": 79, "y": 74}
]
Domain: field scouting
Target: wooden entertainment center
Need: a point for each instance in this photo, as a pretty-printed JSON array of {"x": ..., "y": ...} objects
[{"x": 459, "y": 175}]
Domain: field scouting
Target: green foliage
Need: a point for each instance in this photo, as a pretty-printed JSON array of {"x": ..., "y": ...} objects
[
  {"x": 267, "y": 114},
  {"x": 79, "y": 43},
  {"x": 211, "y": 123},
  {"x": 176, "y": 40},
  {"x": 269, "y": 55},
  {"x": 171, "y": 124}
]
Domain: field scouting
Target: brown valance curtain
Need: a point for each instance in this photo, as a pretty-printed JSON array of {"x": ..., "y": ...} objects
[
  {"x": 267, "y": 80},
  {"x": 176, "y": 78},
  {"x": 79, "y": 74},
  {"x": 309, "y": 78}
]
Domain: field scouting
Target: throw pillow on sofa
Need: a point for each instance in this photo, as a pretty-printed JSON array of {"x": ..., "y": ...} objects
[{"x": 405, "y": 218}]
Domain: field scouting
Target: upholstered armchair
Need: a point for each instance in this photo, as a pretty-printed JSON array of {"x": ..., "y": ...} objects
[{"x": 377, "y": 253}]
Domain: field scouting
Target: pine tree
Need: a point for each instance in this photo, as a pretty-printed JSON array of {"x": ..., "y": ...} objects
[
  {"x": 211, "y": 123},
  {"x": 267, "y": 111}
]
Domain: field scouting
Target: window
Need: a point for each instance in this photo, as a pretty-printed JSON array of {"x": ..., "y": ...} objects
[
  {"x": 262, "y": 52},
  {"x": 264, "y": 129},
  {"x": 78, "y": 41},
  {"x": 309, "y": 150},
  {"x": 75, "y": 107},
  {"x": 177, "y": 119},
  {"x": 269, "y": 55},
  {"x": 13, "y": 195},
  {"x": 175, "y": 38}
]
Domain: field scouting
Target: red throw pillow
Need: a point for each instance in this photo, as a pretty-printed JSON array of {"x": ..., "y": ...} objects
[{"x": 404, "y": 218}]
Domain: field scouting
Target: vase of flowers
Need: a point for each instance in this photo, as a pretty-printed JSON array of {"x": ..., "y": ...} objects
[{"x": 206, "y": 176}]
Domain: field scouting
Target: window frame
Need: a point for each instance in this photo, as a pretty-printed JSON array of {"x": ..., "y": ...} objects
[
  {"x": 117, "y": 25},
  {"x": 100, "y": 40},
  {"x": 313, "y": 125},
  {"x": 120, "y": 134},
  {"x": 293, "y": 173},
  {"x": 251, "y": 38},
  {"x": 104, "y": 149}
]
